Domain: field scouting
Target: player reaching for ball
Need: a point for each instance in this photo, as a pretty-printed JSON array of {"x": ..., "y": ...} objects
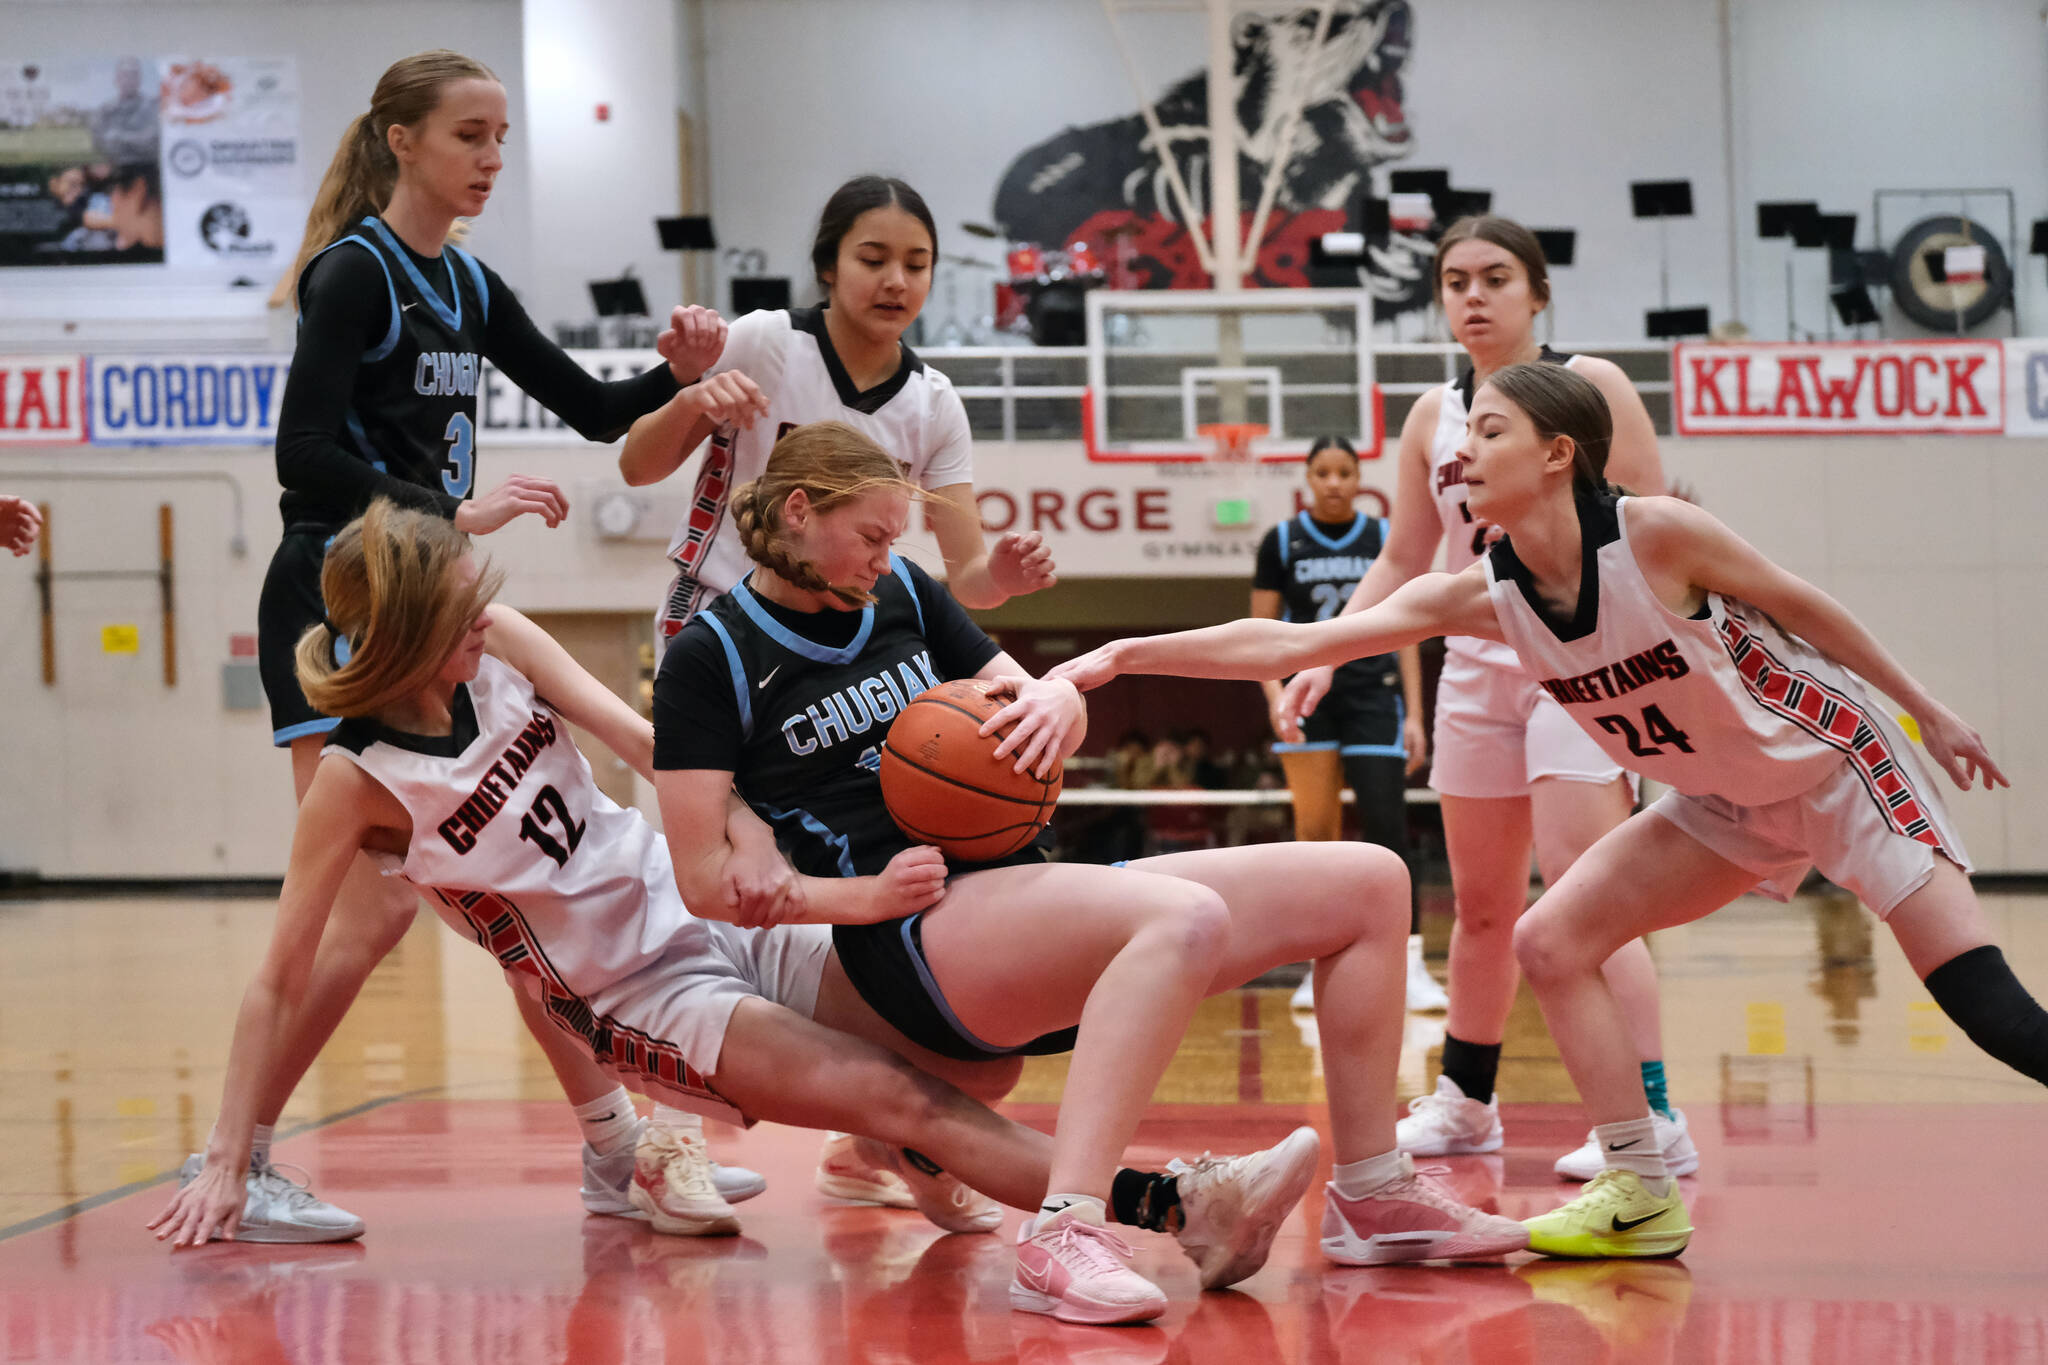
[
  {"x": 785, "y": 688},
  {"x": 1692, "y": 659}
]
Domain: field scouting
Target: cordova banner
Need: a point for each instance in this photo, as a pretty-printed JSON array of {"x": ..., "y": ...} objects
[{"x": 186, "y": 400}]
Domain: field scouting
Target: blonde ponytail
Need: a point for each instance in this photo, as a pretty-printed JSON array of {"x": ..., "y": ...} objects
[
  {"x": 363, "y": 173},
  {"x": 389, "y": 585}
]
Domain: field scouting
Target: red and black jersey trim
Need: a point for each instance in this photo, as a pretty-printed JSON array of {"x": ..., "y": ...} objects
[
  {"x": 707, "y": 503},
  {"x": 503, "y": 932},
  {"x": 1839, "y": 721}
]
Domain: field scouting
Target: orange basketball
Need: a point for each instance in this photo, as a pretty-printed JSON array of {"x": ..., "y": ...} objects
[{"x": 944, "y": 785}]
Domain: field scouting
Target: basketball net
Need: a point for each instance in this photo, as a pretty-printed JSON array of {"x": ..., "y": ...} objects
[{"x": 1233, "y": 440}]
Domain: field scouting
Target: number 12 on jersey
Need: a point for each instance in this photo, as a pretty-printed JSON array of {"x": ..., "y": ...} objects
[
  {"x": 1658, "y": 730},
  {"x": 549, "y": 808}
]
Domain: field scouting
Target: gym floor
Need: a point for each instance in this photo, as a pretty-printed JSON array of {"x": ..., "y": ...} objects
[{"x": 1870, "y": 1188}]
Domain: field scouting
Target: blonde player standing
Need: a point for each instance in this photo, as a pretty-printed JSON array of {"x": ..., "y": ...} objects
[
  {"x": 1691, "y": 658},
  {"x": 1511, "y": 769},
  {"x": 872, "y": 254}
]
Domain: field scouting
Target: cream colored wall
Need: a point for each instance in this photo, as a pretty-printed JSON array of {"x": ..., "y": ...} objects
[{"x": 1932, "y": 541}]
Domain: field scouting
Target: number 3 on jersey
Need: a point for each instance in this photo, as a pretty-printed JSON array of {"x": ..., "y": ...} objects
[
  {"x": 461, "y": 470},
  {"x": 1658, "y": 730}
]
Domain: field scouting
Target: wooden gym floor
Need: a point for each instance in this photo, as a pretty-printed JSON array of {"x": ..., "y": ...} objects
[{"x": 1872, "y": 1188}]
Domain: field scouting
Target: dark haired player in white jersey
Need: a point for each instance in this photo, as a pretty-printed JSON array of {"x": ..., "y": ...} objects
[
  {"x": 783, "y": 689},
  {"x": 394, "y": 323},
  {"x": 1368, "y": 733},
  {"x": 872, "y": 253},
  {"x": 1511, "y": 771},
  {"x": 1694, "y": 660},
  {"x": 455, "y": 773}
]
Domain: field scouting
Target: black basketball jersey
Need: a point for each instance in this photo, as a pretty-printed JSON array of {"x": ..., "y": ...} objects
[
  {"x": 412, "y": 413},
  {"x": 1314, "y": 568},
  {"x": 800, "y": 723}
]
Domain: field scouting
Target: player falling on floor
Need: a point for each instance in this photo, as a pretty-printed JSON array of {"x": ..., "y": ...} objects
[
  {"x": 784, "y": 688},
  {"x": 872, "y": 253},
  {"x": 394, "y": 323},
  {"x": 1511, "y": 770},
  {"x": 1367, "y": 734},
  {"x": 455, "y": 773},
  {"x": 1697, "y": 662}
]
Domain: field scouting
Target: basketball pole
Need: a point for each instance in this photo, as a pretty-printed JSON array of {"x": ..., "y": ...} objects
[{"x": 1224, "y": 217}]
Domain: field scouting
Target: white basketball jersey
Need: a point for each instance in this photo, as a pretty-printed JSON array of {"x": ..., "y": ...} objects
[
  {"x": 1722, "y": 703},
  {"x": 914, "y": 415},
  {"x": 1464, "y": 538},
  {"x": 520, "y": 851}
]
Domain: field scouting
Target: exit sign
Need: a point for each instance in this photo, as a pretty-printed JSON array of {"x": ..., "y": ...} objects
[{"x": 1232, "y": 513}]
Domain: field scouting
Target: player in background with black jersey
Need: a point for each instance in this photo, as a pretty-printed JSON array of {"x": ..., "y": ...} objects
[
  {"x": 394, "y": 324},
  {"x": 1368, "y": 733}
]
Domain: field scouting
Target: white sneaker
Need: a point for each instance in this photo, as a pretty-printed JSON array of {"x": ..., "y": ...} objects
[
  {"x": 845, "y": 1173},
  {"x": 672, "y": 1185},
  {"x": 279, "y": 1209},
  {"x": 1448, "y": 1124},
  {"x": 940, "y": 1197},
  {"x": 1232, "y": 1207},
  {"x": 1424, "y": 995},
  {"x": 1674, "y": 1135},
  {"x": 608, "y": 1180},
  {"x": 1304, "y": 997}
]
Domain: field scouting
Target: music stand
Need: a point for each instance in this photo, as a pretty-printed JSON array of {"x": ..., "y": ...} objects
[
  {"x": 1468, "y": 203},
  {"x": 1853, "y": 305},
  {"x": 1777, "y": 218},
  {"x": 758, "y": 293},
  {"x": 1434, "y": 182},
  {"x": 1665, "y": 324},
  {"x": 620, "y": 298},
  {"x": 686, "y": 234},
  {"x": 1662, "y": 200}
]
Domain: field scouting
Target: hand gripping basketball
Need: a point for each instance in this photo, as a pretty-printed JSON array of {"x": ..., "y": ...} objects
[{"x": 945, "y": 784}]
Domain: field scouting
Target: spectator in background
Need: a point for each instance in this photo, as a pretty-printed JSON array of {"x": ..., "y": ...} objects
[
  {"x": 1130, "y": 762},
  {"x": 1203, "y": 769}
]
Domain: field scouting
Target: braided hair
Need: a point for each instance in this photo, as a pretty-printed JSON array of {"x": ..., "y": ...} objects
[{"x": 834, "y": 464}]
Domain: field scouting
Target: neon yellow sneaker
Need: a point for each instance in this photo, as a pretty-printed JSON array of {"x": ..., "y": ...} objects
[{"x": 1613, "y": 1216}]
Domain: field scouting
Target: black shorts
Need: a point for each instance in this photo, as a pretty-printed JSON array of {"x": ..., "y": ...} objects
[
  {"x": 1361, "y": 717},
  {"x": 885, "y": 962},
  {"x": 290, "y": 603}
]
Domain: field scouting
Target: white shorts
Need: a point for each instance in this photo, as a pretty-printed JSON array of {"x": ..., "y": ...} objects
[
  {"x": 680, "y": 1004},
  {"x": 1497, "y": 733},
  {"x": 1856, "y": 839}
]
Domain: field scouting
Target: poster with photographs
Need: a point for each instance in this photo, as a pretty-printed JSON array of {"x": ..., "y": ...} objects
[
  {"x": 232, "y": 197},
  {"x": 80, "y": 179},
  {"x": 187, "y": 161}
]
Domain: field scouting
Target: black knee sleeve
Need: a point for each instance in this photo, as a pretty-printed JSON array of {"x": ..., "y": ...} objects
[{"x": 1979, "y": 992}]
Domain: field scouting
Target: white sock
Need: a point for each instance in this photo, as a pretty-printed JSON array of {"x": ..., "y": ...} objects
[
  {"x": 1632, "y": 1146},
  {"x": 678, "y": 1120},
  {"x": 1357, "y": 1179},
  {"x": 1086, "y": 1207},
  {"x": 259, "y": 1144},
  {"x": 607, "y": 1121}
]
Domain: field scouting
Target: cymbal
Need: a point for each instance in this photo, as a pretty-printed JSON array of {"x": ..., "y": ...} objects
[{"x": 981, "y": 230}]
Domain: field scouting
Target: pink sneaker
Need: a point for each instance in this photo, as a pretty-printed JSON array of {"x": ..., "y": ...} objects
[
  {"x": 1073, "y": 1268},
  {"x": 1413, "y": 1218}
]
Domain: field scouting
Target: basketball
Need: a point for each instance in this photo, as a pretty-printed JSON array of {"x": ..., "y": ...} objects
[{"x": 944, "y": 785}]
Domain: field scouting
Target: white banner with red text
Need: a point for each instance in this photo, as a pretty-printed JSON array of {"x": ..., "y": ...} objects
[{"x": 1838, "y": 388}]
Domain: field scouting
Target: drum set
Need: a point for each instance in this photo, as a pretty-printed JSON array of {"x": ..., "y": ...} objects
[{"x": 1037, "y": 291}]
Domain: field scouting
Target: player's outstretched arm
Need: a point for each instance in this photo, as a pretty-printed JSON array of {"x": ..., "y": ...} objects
[
  {"x": 334, "y": 821},
  {"x": 658, "y": 442},
  {"x": 570, "y": 688},
  {"x": 1435, "y": 604},
  {"x": 1684, "y": 549}
]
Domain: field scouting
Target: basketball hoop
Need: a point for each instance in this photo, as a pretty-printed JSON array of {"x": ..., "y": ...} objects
[{"x": 1233, "y": 439}]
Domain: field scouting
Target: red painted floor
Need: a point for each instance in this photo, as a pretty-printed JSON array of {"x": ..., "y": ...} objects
[{"x": 1859, "y": 1234}]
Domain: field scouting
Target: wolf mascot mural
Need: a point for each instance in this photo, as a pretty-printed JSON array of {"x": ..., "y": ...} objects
[{"x": 1094, "y": 182}]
